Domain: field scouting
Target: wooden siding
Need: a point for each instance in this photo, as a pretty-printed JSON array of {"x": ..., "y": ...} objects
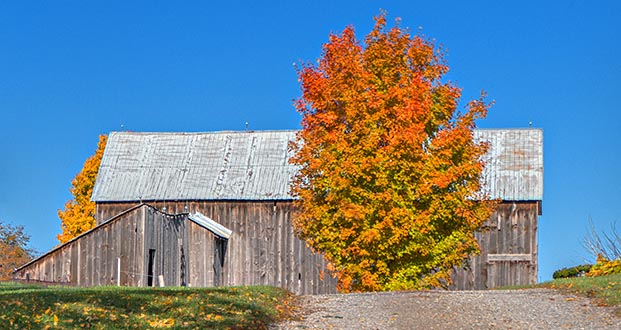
[
  {"x": 263, "y": 249},
  {"x": 92, "y": 259},
  {"x": 509, "y": 247}
]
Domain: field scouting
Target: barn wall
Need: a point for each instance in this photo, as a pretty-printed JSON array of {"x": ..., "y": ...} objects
[
  {"x": 201, "y": 270},
  {"x": 167, "y": 236},
  {"x": 183, "y": 253},
  {"x": 92, "y": 259},
  {"x": 509, "y": 250},
  {"x": 263, "y": 249}
]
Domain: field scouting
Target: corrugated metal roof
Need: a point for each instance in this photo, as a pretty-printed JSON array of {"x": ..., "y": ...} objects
[
  {"x": 195, "y": 166},
  {"x": 514, "y": 163},
  {"x": 254, "y": 166},
  {"x": 214, "y": 227}
]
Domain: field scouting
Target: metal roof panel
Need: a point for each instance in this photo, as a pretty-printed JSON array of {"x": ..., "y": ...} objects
[{"x": 255, "y": 166}]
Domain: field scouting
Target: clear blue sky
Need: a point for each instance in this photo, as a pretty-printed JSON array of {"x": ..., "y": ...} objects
[{"x": 71, "y": 70}]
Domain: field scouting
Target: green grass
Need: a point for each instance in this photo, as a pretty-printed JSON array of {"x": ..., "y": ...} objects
[
  {"x": 34, "y": 307},
  {"x": 605, "y": 289}
]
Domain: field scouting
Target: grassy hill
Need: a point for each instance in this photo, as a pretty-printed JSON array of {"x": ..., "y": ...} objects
[
  {"x": 606, "y": 290},
  {"x": 35, "y": 307}
]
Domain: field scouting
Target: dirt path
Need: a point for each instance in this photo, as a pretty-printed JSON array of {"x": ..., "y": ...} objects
[{"x": 513, "y": 309}]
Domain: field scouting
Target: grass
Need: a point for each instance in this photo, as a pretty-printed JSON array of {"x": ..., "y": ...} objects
[
  {"x": 606, "y": 290},
  {"x": 35, "y": 307}
]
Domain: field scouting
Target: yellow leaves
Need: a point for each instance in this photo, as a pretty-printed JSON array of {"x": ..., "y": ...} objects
[
  {"x": 370, "y": 236},
  {"x": 79, "y": 213},
  {"x": 603, "y": 266},
  {"x": 214, "y": 317},
  {"x": 163, "y": 323}
]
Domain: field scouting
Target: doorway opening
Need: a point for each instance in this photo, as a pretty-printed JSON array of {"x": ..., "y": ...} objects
[{"x": 150, "y": 267}]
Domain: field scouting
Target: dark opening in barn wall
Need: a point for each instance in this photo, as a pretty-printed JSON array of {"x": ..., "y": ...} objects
[
  {"x": 150, "y": 267},
  {"x": 218, "y": 259}
]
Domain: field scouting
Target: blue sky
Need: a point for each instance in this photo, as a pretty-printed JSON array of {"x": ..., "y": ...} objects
[{"x": 71, "y": 70}]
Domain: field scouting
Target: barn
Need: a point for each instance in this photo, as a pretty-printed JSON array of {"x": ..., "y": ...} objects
[
  {"x": 508, "y": 240},
  {"x": 208, "y": 209}
]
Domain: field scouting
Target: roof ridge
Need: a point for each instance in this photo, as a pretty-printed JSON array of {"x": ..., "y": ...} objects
[{"x": 206, "y": 132}]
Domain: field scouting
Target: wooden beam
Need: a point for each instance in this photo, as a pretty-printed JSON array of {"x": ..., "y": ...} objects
[{"x": 509, "y": 257}]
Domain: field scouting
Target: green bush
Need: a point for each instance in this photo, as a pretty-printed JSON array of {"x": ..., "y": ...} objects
[{"x": 575, "y": 271}]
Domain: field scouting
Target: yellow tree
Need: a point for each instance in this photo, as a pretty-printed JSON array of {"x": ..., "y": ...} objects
[
  {"x": 389, "y": 176},
  {"x": 79, "y": 213}
]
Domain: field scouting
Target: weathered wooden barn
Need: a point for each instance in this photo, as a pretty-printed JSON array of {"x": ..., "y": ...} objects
[
  {"x": 141, "y": 246},
  {"x": 508, "y": 240},
  {"x": 160, "y": 195},
  {"x": 238, "y": 179}
]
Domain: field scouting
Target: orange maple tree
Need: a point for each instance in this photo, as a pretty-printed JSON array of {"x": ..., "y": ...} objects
[
  {"x": 14, "y": 250},
  {"x": 389, "y": 171},
  {"x": 79, "y": 213}
]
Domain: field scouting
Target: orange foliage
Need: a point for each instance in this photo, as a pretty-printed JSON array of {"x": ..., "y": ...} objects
[
  {"x": 389, "y": 168},
  {"x": 79, "y": 213},
  {"x": 14, "y": 250}
]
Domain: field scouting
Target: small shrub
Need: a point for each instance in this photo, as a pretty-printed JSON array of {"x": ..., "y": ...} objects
[
  {"x": 605, "y": 267},
  {"x": 575, "y": 271}
]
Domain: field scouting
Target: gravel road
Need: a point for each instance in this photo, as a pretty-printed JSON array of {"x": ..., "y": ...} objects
[{"x": 510, "y": 309}]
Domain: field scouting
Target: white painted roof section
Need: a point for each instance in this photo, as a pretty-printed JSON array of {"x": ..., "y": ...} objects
[
  {"x": 210, "y": 225},
  {"x": 195, "y": 166},
  {"x": 255, "y": 166},
  {"x": 514, "y": 163}
]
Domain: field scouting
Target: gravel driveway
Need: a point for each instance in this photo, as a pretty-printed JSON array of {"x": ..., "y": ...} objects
[{"x": 511, "y": 309}]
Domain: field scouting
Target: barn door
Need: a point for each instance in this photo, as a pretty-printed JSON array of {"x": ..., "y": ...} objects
[
  {"x": 219, "y": 252},
  {"x": 508, "y": 269}
]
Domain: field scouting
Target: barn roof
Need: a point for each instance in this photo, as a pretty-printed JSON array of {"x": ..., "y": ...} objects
[
  {"x": 255, "y": 165},
  {"x": 195, "y": 166},
  {"x": 514, "y": 163}
]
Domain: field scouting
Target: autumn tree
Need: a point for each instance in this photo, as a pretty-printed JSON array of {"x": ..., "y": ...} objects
[
  {"x": 79, "y": 213},
  {"x": 389, "y": 170},
  {"x": 14, "y": 250}
]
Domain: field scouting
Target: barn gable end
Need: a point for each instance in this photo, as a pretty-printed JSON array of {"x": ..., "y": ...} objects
[{"x": 139, "y": 247}]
